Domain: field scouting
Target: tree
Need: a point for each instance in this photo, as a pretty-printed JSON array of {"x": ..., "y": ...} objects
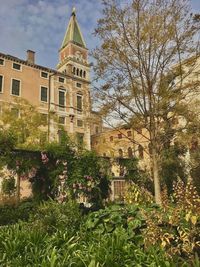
[
  {"x": 142, "y": 63},
  {"x": 25, "y": 122}
]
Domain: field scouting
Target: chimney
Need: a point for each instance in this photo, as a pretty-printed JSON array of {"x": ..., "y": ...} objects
[{"x": 30, "y": 57}]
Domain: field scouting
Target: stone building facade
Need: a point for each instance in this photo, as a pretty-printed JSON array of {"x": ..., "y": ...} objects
[{"x": 64, "y": 91}]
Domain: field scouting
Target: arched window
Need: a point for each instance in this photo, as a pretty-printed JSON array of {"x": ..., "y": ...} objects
[
  {"x": 84, "y": 74},
  {"x": 120, "y": 153},
  {"x": 141, "y": 151},
  {"x": 130, "y": 152},
  {"x": 74, "y": 70},
  {"x": 81, "y": 73},
  {"x": 77, "y": 72}
]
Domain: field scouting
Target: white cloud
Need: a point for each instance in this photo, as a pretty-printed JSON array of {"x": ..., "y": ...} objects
[{"x": 40, "y": 25}]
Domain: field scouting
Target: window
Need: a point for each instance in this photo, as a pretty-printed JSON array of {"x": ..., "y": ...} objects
[
  {"x": 43, "y": 94},
  {"x": 1, "y": 83},
  {"x": 61, "y": 79},
  {"x": 84, "y": 74},
  {"x": 61, "y": 99},
  {"x": 15, "y": 112},
  {"x": 79, "y": 123},
  {"x": 16, "y": 66},
  {"x": 120, "y": 151},
  {"x": 111, "y": 138},
  {"x": 79, "y": 85},
  {"x": 81, "y": 73},
  {"x": 74, "y": 70},
  {"x": 15, "y": 87},
  {"x": 120, "y": 136},
  {"x": 129, "y": 133},
  {"x": 130, "y": 152},
  {"x": 61, "y": 120},
  {"x": 1, "y": 61},
  {"x": 79, "y": 103},
  {"x": 44, "y": 74},
  {"x": 77, "y": 72}
]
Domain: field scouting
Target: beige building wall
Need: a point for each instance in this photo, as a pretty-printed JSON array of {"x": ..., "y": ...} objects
[
  {"x": 122, "y": 143},
  {"x": 31, "y": 81}
]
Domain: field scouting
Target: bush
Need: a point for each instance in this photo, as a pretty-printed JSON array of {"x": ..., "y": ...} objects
[
  {"x": 10, "y": 214},
  {"x": 51, "y": 215},
  {"x": 8, "y": 186}
]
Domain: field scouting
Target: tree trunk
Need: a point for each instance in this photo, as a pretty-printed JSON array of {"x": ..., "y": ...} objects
[
  {"x": 18, "y": 188},
  {"x": 156, "y": 178}
]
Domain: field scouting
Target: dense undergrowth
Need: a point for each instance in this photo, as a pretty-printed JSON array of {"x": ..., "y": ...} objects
[{"x": 129, "y": 235}]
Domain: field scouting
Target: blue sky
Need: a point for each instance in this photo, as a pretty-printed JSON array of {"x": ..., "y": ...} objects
[{"x": 40, "y": 25}]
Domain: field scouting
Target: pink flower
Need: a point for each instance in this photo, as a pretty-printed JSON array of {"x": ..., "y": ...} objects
[{"x": 44, "y": 157}]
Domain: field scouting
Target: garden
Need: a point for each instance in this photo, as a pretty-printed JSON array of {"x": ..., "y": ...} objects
[{"x": 54, "y": 228}]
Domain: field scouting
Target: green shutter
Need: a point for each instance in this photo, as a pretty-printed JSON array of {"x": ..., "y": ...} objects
[
  {"x": 1, "y": 83},
  {"x": 15, "y": 87},
  {"x": 79, "y": 103},
  {"x": 43, "y": 94},
  {"x": 61, "y": 98}
]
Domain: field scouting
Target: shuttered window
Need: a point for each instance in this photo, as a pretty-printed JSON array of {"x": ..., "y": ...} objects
[
  {"x": 44, "y": 92},
  {"x": 15, "y": 87},
  {"x": 61, "y": 99},
  {"x": 1, "y": 83},
  {"x": 79, "y": 103}
]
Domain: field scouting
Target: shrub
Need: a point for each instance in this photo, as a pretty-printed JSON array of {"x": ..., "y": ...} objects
[
  {"x": 10, "y": 214},
  {"x": 51, "y": 215},
  {"x": 8, "y": 186}
]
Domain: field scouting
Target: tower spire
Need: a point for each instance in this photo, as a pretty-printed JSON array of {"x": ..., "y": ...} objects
[
  {"x": 74, "y": 11},
  {"x": 73, "y": 33}
]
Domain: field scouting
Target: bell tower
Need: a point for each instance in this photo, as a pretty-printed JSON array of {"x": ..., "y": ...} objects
[
  {"x": 73, "y": 62},
  {"x": 73, "y": 54}
]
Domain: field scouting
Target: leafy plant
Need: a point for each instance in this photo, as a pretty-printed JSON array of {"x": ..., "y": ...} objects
[{"x": 8, "y": 186}]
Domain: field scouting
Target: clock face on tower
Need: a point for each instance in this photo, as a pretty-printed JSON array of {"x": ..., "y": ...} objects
[{"x": 79, "y": 56}]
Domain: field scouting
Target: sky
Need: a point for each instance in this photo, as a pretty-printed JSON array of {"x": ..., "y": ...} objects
[{"x": 40, "y": 25}]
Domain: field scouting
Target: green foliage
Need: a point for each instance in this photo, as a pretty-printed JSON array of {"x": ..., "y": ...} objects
[
  {"x": 10, "y": 214},
  {"x": 8, "y": 186},
  {"x": 172, "y": 166},
  {"x": 57, "y": 235},
  {"x": 51, "y": 216},
  {"x": 82, "y": 171},
  {"x": 136, "y": 194},
  {"x": 195, "y": 168},
  {"x": 7, "y": 143},
  {"x": 90, "y": 178},
  {"x": 27, "y": 127},
  {"x": 136, "y": 175}
]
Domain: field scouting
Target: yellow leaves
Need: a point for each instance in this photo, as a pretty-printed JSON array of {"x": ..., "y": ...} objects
[
  {"x": 166, "y": 239},
  {"x": 187, "y": 216},
  {"x": 192, "y": 218}
]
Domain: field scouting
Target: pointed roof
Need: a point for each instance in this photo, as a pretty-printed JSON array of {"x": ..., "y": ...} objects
[{"x": 73, "y": 33}]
